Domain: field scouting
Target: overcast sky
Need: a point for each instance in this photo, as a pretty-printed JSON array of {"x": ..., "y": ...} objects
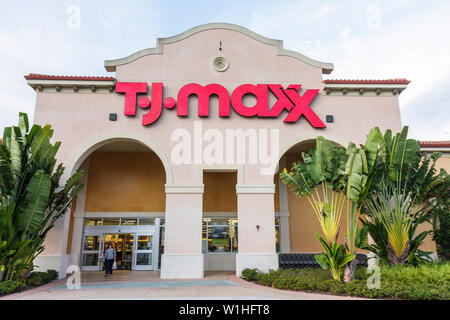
[{"x": 364, "y": 39}]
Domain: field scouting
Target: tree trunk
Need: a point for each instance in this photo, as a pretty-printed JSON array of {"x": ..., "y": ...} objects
[
  {"x": 393, "y": 259},
  {"x": 349, "y": 270}
]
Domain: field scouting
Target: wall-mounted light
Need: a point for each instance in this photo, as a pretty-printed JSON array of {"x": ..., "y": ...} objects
[
  {"x": 329, "y": 118},
  {"x": 257, "y": 227}
]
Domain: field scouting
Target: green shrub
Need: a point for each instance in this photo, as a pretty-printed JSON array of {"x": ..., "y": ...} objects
[
  {"x": 34, "y": 281},
  {"x": 11, "y": 286},
  {"x": 53, "y": 274},
  {"x": 250, "y": 274},
  {"x": 424, "y": 282},
  {"x": 38, "y": 278}
]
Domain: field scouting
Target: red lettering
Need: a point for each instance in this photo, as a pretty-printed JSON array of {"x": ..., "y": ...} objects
[
  {"x": 203, "y": 93},
  {"x": 262, "y": 100},
  {"x": 131, "y": 89},
  {"x": 301, "y": 107},
  {"x": 282, "y": 103},
  {"x": 155, "y": 106},
  {"x": 288, "y": 99}
]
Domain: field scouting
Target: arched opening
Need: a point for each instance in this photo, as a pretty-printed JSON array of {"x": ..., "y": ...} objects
[{"x": 122, "y": 203}]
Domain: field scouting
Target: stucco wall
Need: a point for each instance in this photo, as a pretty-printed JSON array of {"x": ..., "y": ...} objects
[
  {"x": 220, "y": 192},
  {"x": 125, "y": 181},
  {"x": 429, "y": 244},
  {"x": 81, "y": 122}
]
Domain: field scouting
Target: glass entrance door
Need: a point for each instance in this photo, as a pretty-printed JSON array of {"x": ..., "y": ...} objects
[
  {"x": 92, "y": 251},
  {"x": 136, "y": 245},
  {"x": 143, "y": 252},
  {"x": 123, "y": 244}
]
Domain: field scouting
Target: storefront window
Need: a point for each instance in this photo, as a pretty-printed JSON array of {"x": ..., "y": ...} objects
[
  {"x": 128, "y": 222},
  {"x": 161, "y": 240},
  {"x": 111, "y": 222},
  {"x": 219, "y": 235},
  {"x": 277, "y": 234},
  {"x": 144, "y": 243},
  {"x": 93, "y": 222},
  {"x": 144, "y": 259},
  {"x": 91, "y": 242},
  {"x": 146, "y": 222},
  {"x": 90, "y": 259}
]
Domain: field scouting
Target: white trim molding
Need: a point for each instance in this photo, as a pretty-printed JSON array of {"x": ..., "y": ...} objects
[
  {"x": 184, "y": 188},
  {"x": 255, "y": 188},
  {"x": 110, "y": 65}
]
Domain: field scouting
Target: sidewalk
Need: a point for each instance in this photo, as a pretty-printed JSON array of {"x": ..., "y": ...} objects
[{"x": 145, "y": 285}]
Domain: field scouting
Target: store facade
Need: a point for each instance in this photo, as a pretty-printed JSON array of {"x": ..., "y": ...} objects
[{"x": 182, "y": 147}]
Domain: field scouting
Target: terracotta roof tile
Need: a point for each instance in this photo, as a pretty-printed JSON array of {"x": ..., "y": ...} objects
[
  {"x": 366, "y": 81},
  {"x": 435, "y": 144},
  {"x": 37, "y": 76}
]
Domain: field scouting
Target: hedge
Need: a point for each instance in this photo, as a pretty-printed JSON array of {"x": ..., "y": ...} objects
[
  {"x": 430, "y": 282},
  {"x": 34, "y": 279}
]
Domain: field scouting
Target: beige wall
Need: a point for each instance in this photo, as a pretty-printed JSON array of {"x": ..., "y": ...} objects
[
  {"x": 125, "y": 181},
  {"x": 80, "y": 121},
  {"x": 220, "y": 192},
  {"x": 428, "y": 243}
]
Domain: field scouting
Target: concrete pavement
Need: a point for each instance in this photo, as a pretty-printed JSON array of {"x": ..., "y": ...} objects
[{"x": 146, "y": 285}]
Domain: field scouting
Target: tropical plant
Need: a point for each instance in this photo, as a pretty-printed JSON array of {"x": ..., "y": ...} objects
[
  {"x": 348, "y": 173},
  {"x": 324, "y": 167},
  {"x": 379, "y": 245},
  {"x": 31, "y": 198},
  {"x": 396, "y": 213},
  {"x": 342, "y": 175},
  {"x": 359, "y": 170},
  {"x": 404, "y": 181},
  {"x": 439, "y": 216},
  {"x": 335, "y": 258}
]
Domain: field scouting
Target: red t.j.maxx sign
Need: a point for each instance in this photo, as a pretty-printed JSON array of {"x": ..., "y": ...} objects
[{"x": 288, "y": 99}]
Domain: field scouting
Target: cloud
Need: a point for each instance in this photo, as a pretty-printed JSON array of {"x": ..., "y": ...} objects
[
  {"x": 376, "y": 39},
  {"x": 368, "y": 42}
]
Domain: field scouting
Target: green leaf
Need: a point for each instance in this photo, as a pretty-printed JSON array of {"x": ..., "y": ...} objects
[
  {"x": 322, "y": 260},
  {"x": 23, "y": 123},
  {"x": 16, "y": 154},
  {"x": 324, "y": 244},
  {"x": 371, "y": 146},
  {"x": 40, "y": 141},
  {"x": 404, "y": 150},
  {"x": 32, "y": 210}
]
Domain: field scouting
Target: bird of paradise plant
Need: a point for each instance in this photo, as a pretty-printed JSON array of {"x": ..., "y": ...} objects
[
  {"x": 396, "y": 210},
  {"x": 324, "y": 167},
  {"x": 345, "y": 177}
]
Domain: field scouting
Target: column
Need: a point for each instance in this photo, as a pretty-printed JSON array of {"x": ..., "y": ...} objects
[
  {"x": 183, "y": 258},
  {"x": 285, "y": 240},
  {"x": 256, "y": 228},
  {"x": 78, "y": 220}
]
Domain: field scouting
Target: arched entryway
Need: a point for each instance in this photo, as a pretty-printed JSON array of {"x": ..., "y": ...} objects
[{"x": 122, "y": 203}]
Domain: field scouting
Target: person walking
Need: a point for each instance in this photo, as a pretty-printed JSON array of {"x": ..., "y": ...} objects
[{"x": 110, "y": 257}]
